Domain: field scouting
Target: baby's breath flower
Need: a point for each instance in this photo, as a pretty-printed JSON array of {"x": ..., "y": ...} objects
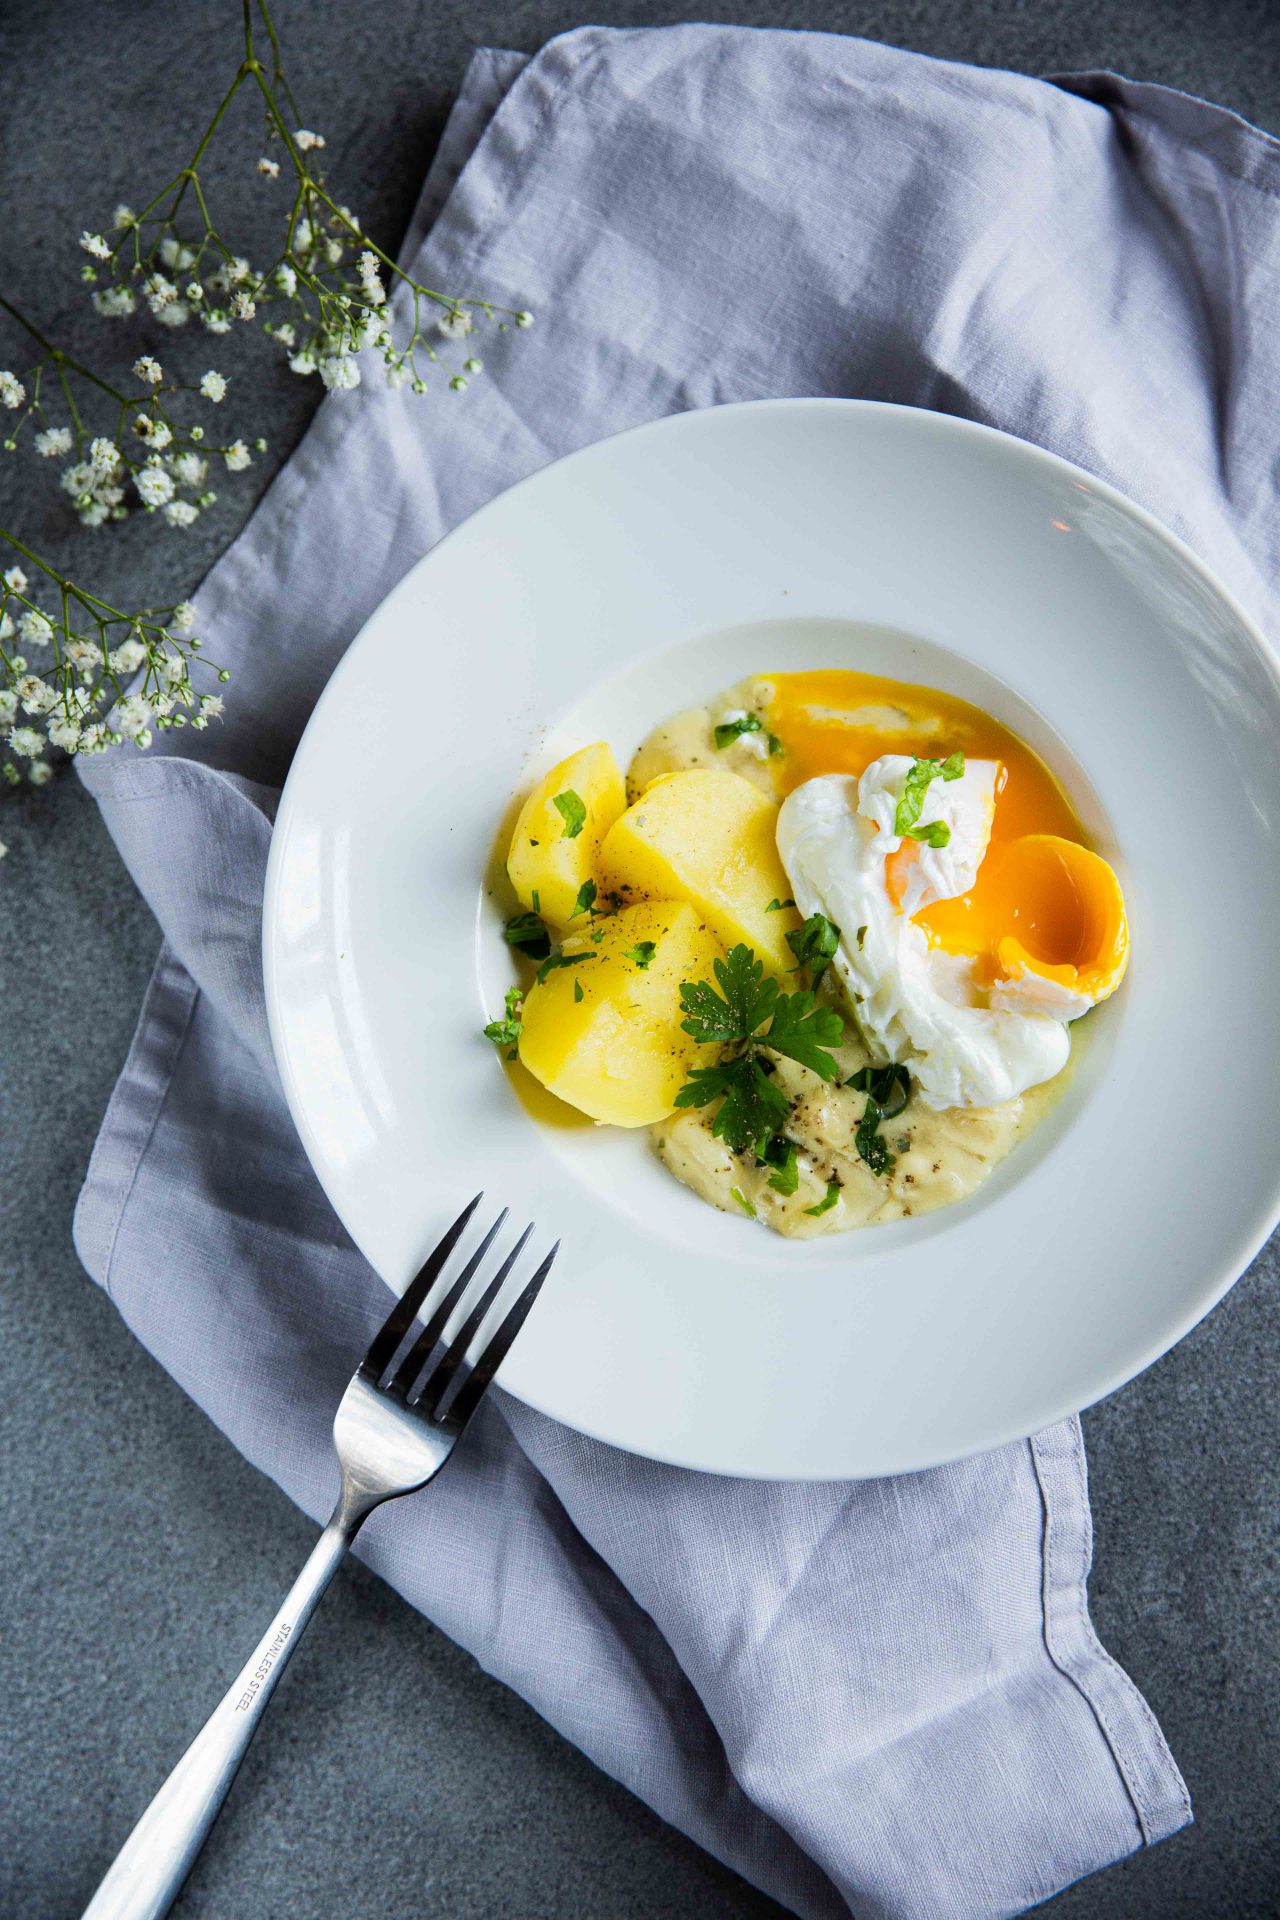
[
  {"x": 78, "y": 479},
  {"x": 115, "y": 303},
  {"x": 36, "y": 628},
  {"x": 183, "y": 617},
  {"x": 36, "y": 695},
  {"x": 237, "y": 457},
  {"x": 65, "y": 733},
  {"x": 213, "y": 386},
  {"x": 12, "y": 391},
  {"x": 188, "y": 469},
  {"x": 174, "y": 254},
  {"x": 398, "y": 375},
  {"x": 306, "y": 141},
  {"x": 455, "y": 324},
  {"x": 104, "y": 455},
  {"x": 128, "y": 656},
  {"x": 216, "y": 320},
  {"x": 8, "y": 706},
  {"x": 154, "y": 485},
  {"x": 83, "y": 655},
  {"x": 213, "y": 704},
  {"x": 40, "y": 773},
  {"x": 524, "y": 319},
  {"x": 175, "y": 314},
  {"x": 53, "y": 441},
  {"x": 304, "y": 362},
  {"x": 333, "y": 252},
  {"x": 95, "y": 244},
  {"x": 160, "y": 291},
  {"x": 180, "y": 513},
  {"x": 26, "y": 741},
  {"x": 339, "y": 372},
  {"x": 145, "y": 368},
  {"x": 14, "y": 577},
  {"x": 132, "y": 715},
  {"x": 269, "y": 168},
  {"x": 124, "y": 216},
  {"x": 242, "y": 306},
  {"x": 286, "y": 278},
  {"x": 94, "y": 513},
  {"x": 371, "y": 279},
  {"x": 194, "y": 292}
]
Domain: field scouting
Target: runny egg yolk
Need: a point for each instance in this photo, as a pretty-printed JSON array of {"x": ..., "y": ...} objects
[{"x": 1043, "y": 903}]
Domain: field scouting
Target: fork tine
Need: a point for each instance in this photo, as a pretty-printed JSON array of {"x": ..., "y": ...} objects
[
  {"x": 470, "y": 1393},
  {"x": 411, "y": 1366},
  {"x": 397, "y": 1323},
  {"x": 436, "y": 1384}
]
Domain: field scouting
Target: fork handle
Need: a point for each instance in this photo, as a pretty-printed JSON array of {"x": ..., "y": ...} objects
[{"x": 146, "y": 1875}]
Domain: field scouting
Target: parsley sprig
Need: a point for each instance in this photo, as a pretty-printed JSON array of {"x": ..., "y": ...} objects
[
  {"x": 888, "y": 1090},
  {"x": 730, "y": 730},
  {"x": 506, "y": 1032},
  {"x": 814, "y": 945},
  {"x": 752, "y": 1108},
  {"x": 920, "y": 777}
]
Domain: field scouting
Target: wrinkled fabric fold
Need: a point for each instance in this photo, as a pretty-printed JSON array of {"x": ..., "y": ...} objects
[{"x": 886, "y": 1697}]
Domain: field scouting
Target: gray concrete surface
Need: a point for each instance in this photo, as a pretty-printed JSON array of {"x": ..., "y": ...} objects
[{"x": 142, "y": 1554}]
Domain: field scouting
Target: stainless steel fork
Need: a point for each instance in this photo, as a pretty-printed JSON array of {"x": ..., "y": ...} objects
[{"x": 395, "y": 1428}]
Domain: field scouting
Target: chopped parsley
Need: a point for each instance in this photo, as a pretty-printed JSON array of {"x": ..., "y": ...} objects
[
  {"x": 586, "y": 899},
  {"x": 642, "y": 953},
  {"x": 752, "y": 1109},
  {"x": 743, "y": 1201},
  {"x": 776, "y": 906},
  {"x": 920, "y": 777},
  {"x": 577, "y": 990},
  {"x": 526, "y": 932},
  {"x": 506, "y": 1032},
  {"x": 783, "y": 1156},
  {"x": 934, "y": 833},
  {"x": 571, "y": 811},
  {"x": 814, "y": 945},
  {"x": 867, "y": 1140},
  {"x": 730, "y": 730},
  {"x": 828, "y": 1200},
  {"x": 559, "y": 958},
  {"x": 889, "y": 1087}
]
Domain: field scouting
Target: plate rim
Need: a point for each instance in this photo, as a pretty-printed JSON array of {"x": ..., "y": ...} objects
[{"x": 1253, "y": 1234}]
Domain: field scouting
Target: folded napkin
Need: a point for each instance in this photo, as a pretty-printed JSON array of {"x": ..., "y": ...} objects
[{"x": 881, "y": 1697}]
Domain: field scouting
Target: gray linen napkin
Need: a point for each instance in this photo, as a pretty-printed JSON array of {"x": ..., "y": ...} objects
[{"x": 883, "y": 1697}]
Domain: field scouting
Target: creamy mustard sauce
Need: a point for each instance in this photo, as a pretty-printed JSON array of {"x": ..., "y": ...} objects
[{"x": 941, "y": 1156}]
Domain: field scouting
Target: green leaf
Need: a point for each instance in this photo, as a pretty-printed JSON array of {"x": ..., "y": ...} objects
[
  {"x": 920, "y": 777},
  {"x": 586, "y": 899},
  {"x": 748, "y": 1000},
  {"x": 506, "y": 1033},
  {"x": 867, "y": 1140},
  {"x": 782, "y": 1155},
  {"x": 751, "y": 1109},
  {"x": 571, "y": 811},
  {"x": 526, "y": 932},
  {"x": 806, "y": 1032},
  {"x": 935, "y": 833},
  {"x": 642, "y": 953},
  {"x": 775, "y": 745},
  {"x": 559, "y": 958},
  {"x": 776, "y": 906},
  {"x": 742, "y": 1200},
  {"x": 577, "y": 990},
  {"x": 889, "y": 1087},
  {"x": 814, "y": 944},
  {"x": 732, "y": 730},
  {"x": 828, "y": 1200}
]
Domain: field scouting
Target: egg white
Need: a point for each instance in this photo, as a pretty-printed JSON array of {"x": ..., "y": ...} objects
[{"x": 916, "y": 1005}]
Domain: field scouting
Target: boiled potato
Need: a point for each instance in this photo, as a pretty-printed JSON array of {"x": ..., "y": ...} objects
[
  {"x": 708, "y": 837},
  {"x": 617, "y": 1052},
  {"x": 551, "y": 855}
]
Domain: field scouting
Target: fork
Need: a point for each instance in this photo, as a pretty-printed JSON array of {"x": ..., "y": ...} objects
[{"x": 395, "y": 1428}]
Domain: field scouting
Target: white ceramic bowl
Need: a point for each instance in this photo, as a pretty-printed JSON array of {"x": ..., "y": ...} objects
[{"x": 650, "y": 571}]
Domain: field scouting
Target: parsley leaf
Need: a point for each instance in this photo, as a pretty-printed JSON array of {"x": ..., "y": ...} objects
[
  {"x": 814, "y": 944},
  {"x": 867, "y": 1140},
  {"x": 730, "y": 730},
  {"x": 934, "y": 833},
  {"x": 828, "y": 1200},
  {"x": 743, "y": 1201},
  {"x": 526, "y": 932},
  {"x": 805, "y": 1032},
  {"x": 889, "y": 1087},
  {"x": 506, "y": 1033},
  {"x": 920, "y": 777},
  {"x": 748, "y": 1001},
  {"x": 752, "y": 1107},
  {"x": 577, "y": 990},
  {"x": 642, "y": 953},
  {"x": 571, "y": 811},
  {"x": 776, "y": 906},
  {"x": 559, "y": 958},
  {"x": 783, "y": 1156},
  {"x": 586, "y": 899}
]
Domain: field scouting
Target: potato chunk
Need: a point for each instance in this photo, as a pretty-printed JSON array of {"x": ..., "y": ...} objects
[
  {"x": 617, "y": 1053},
  {"x": 551, "y": 854},
  {"x": 708, "y": 837}
]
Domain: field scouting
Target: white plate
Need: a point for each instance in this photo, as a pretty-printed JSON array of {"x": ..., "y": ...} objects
[{"x": 652, "y": 570}]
